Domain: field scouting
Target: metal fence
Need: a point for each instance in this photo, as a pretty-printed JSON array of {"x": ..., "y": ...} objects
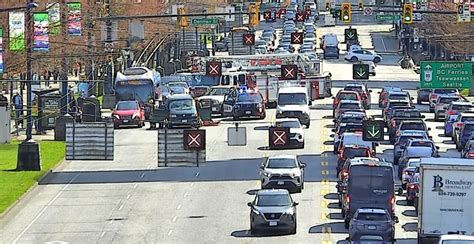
[
  {"x": 171, "y": 150},
  {"x": 90, "y": 141}
]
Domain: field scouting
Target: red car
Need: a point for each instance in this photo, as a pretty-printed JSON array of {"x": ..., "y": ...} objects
[
  {"x": 349, "y": 152},
  {"x": 128, "y": 113},
  {"x": 345, "y": 95},
  {"x": 413, "y": 187}
]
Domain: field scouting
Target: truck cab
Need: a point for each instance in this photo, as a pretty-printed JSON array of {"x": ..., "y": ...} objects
[{"x": 293, "y": 102}]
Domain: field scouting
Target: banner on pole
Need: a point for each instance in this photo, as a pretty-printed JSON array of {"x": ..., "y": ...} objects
[
  {"x": 41, "y": 34},
  {"x": 1, "y": 38},
  {"x": 54, "y": 19},
  {"x": 16, "y": 21},
  {"x": 2, "y": 68},
  {"x": 74, "y": 17}
]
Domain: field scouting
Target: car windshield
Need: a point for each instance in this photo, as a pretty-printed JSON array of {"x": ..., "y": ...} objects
[
  {"x": 183, "y": 104},
  {"x": 349, "y": 106},
  {"x": 353, "y": 88},
  {"x": 398, "y": 96},
  {"x": 394, "y": 104},
  {"x": 462, "y": 107},
  {"x": 356, "y": 152},
  {"x": 289, "y": 124},
  {"x": 372, "y": 217},
  {"x": 127, "y": 105},
  {"x": 445, "y": 91},
  {"x": 458, "y": 242},
  {"x": 412, "y": 126},
  {"x": 218, "y": 91},
  {"x": 407, "y": 114},
  {"x": 281, "y": 163},
  {"x": 292, "y": 99},
  {"x": 421, "y": 144},
  {"x": 273, "y": 200},
  {"x": 249, "y": 97},
  {"x": 348, "y": 96},
  {"x": 412, "y": 164},
  {"x": 177, "y": 89},
  {"x": 404, "y": 139},
  {"x": 351, "y": 119},
  {"x": 467, "y": 118},
  {"x": 468, "y": 127},
  {"x": 448, "y": 99}
]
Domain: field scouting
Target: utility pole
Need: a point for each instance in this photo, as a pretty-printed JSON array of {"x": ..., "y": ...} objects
[
  {"x": 64, "y": 70},
  {"x": 90, "y": 72}
]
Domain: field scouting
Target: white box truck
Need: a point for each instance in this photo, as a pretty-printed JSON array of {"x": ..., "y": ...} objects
[{"x": 446, "y": 198}]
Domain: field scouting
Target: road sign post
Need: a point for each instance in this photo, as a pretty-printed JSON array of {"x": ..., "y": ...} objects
[
  {"x": 360, "y": 71},
  {"x": 445, "y": 74},
  {"x": 194, "y": 140},
  {"x": 373, "y": 130},
  {"x": 278, "y": 137}
]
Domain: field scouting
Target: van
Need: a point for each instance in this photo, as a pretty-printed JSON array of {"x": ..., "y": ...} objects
[
  {"x": 369, "y": 184},
  {"x": 182, "y": 111},
  {"x": 329, "y": 40},
  {"x": 292, "y": 102}
]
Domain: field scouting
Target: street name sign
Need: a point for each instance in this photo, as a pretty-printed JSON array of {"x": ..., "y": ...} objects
[
  {"x": 373, "y": 130},
  {"x": 445, "y": 74},
  {"x": 360, "y": 71},
  {"x": 212, "y": 21},
  {"x": 387, "y": 17}
]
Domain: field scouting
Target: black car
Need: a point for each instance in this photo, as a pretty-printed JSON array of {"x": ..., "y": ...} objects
[
  {"x": 332, "y": 52},
  {"x": 249, "y": 105}
]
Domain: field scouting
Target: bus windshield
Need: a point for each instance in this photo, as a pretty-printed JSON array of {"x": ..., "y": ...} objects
[{"x": 140, "y": 90}]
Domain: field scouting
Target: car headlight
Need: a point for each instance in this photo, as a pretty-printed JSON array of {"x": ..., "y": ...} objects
[
  {"x": 116, "y": 116},
  {"x": 173, "y": 116},
  {"x": 266, "y": 174},
  {"x": 255, "y": 211},
  {"x": 289, "y": 211}
]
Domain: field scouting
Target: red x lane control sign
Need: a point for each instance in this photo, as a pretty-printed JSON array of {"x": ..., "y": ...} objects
[
  {"x": 278, "y": 137},
  {"x": 249, "y": 39},
  {"x": 296, "y": 38},
  {"x": 300, "y": 17},
  {"x": 194, "y": 140},
  {"x": 289, "y": 72},
  {"x": 267, "y": 15},
  {"x": 214, "y": 68}
]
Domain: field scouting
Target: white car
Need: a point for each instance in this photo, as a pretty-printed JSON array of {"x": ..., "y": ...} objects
[
  {"x": 452, "y": 239},
  {"x": 283, "y": 171},
  {"x": 354, "y": 48},
  {"x": 296, "y": 130},
  {"x": 363, "y": 55}
]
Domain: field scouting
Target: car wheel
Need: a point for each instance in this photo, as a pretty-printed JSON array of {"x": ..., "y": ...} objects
[
  {"x": 377, "y": 60},
  {"x": 346, "y": 223},
  {"x": 324, "y": 57},
  {"x": 395, "y": 160},
  {"x": 418, "y": 101},
  {"x": 337, "y": 57},
  {"x": 436, "y": 117},
  {"x": 353, "y": 59},
  {"x": 409, "y": 202},
  {"x": 293, "y": 230},
  {"x": 301, "y": 145},
  {"x": 431, "y": 109},
  {"x": 253, "y": 230},
  {"x": 307, "y": 125}
]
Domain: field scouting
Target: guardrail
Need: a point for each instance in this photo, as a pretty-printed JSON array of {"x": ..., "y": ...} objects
[
  {"x": 171, "y": 150},
  {"x": 90, "y": 141}
]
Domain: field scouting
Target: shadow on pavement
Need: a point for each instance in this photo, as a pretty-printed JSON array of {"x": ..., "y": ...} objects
[
  {"x": 402, "y": 203},
  {"x": 261, "y": 127},
  {"x": 332, "y": 227},
  {"x": 334, "y": 205},
  {"x": 410, "y": 227},
  {"x": 332, "y": 196},
  {"x": 266, "y": 233},
  {"x": 336, "y": 216},
  {"x": 252, "y": 192},
  {"x": 226, "y": 170},
  {"x": 410, "y": 213},
  {"x": 328, "y": 143}
]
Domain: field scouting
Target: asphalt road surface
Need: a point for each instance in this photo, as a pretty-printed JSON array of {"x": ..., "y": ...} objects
[{"x": 131, "y": 200}]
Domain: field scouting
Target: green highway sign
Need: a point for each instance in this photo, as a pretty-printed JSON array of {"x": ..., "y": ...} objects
[
  {"x": 445, "y": 74},
  {"x": 373, "y": 130},
  {"x": 387, "y": 17},
  {"x": 213, "y": 21},
  {"x": 360, "y": 71}
]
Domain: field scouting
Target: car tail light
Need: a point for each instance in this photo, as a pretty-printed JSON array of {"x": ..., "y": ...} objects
[
  {"x": 345, "y": 174},
  {"x": 394, "y": 123},
  {"x": 405, "y": 172},
  {"x": 433, "y": 96},
  {"x": 348, "y": 199},
  {"x": 471, "y": 155},
  {"x": 392, "y": 201},
  {"x": 451, "y": 112},
  {"x": 459, "y": 124},
  {"x": 411, "y": 186}
]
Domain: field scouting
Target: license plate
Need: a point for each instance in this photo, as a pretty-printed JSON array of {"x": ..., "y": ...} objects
[
  {"x": 280, "y": 183},
  {"x": 248, "y": 112},
  {"x": 125, "y": 120},
  {"x": 184, "y": 121},
  {"x": 273, "y": 223},
  {"x": 371, "y": 227}
]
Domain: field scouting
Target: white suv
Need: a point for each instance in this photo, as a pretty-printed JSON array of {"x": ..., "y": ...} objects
[
  {"x": 293, "y": 102},
  {"x": 283, "y": 172}
]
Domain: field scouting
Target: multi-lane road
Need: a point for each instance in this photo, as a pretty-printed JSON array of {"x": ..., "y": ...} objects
[{"x": 131, "y": 200}]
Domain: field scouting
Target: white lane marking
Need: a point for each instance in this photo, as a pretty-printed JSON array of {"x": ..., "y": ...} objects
[
  {"x": 128, "y": 196},
  {"x": 169, "y": 232},
  {"x": 185, "y": 194},
  {"x": 120, "y": 208},
  {"x": 179, "y": 207},
  {"x": 192, "y": 184},
  {"x": 111, "y": 221},
  {"x": 143, "y": 175},
  {"x": 135, "y": 186},
  {"x": 215, "y": 142},
  {"x": 102, "y": 235},
  {"x": 174, "y": 218},
  {"x": 197, "y": 174},
  {"x": 149, "y": 166},
  {"x": 44, "y": 209}
]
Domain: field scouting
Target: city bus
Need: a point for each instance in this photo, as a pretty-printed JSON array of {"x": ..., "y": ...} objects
[{"x": 140, "y": 84}]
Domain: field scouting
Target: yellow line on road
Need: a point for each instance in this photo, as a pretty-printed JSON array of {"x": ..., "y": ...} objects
[
  {"x": 323, "y": 192},
  {"x": 324, "y": 203}
]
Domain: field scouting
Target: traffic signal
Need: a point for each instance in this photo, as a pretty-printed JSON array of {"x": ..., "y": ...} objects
[
  {"x": 328, "y": 6},
  {"x": 183, "y": 20},
  {"x": 407, "y": 13},
  {"x": 346, "y": 12},
  {"x": 361, "y": 6}
]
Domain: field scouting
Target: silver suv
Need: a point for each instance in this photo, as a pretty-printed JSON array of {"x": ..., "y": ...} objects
[
  {"x": 273, "y": 209},
  {"x": 285, "y": 172},
  {"x": 373, "y": 222}
]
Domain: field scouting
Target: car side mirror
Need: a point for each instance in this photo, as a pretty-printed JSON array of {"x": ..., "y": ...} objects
[
  {"x": 249, "y": 204},
  {"x": 332, "y": 135},
  {"x": 333, "y": 130},
  {"x": 423, "y": 116},
  {"x": 310, "y": 103},
  {"x": 262, "y": 166},
  {"x": 303, "y": 165},
  {"x": 430, "y": 137},
  {"x": 295, "y": 204},
  {"x": 437, "y": 147},
  {"x": 429, "y": 128},
  {"x": 370, "y": 90},
  {"x": 378, "y": 92},
  {"x": 395, "y": 219}
]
